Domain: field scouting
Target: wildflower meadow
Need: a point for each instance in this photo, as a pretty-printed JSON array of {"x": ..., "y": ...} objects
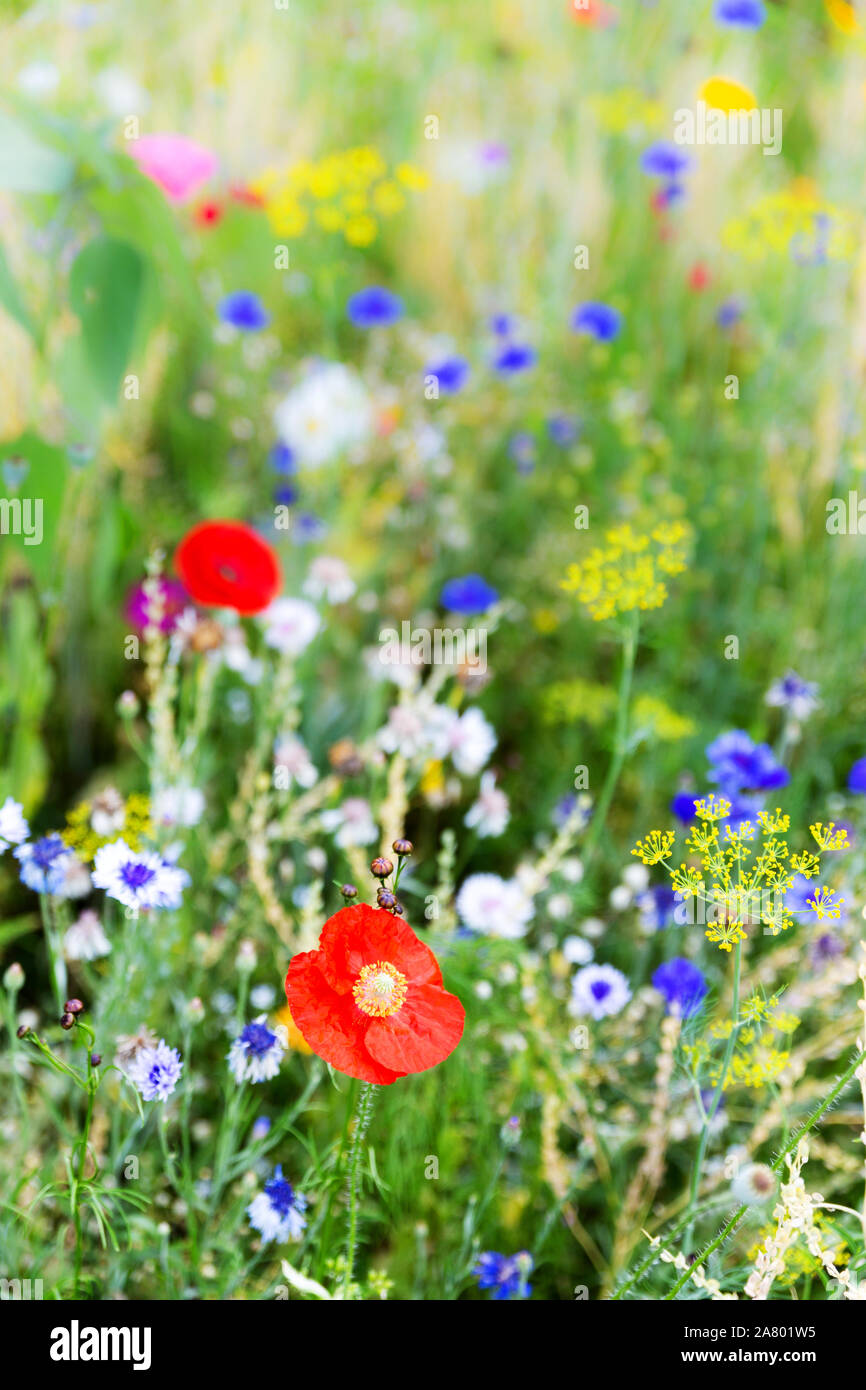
[{"x": 432, "y": 685}]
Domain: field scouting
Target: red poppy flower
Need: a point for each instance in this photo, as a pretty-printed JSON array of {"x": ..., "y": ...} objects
[
  {"x": 208, "y": 214},
  {"x": 225, "y": 564},
  {"x": 593, "y": 13},
  {"x": 370, "y": 1000}
]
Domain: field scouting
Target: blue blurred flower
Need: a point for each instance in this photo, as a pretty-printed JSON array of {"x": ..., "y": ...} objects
[
  {"x": 44, "y": 863},
  {"x": 683, "y": 807},
  {"x": 562, "y": 430},
  {"x": 309, "y": 528},
  {"x": 740, "y": 764},
  {"x": 506, "y": 1274},
  {"x": 374, "y": 306},
  {"x": 501, "y": 325},
  {"x": 278, "y": 1212},
  {"x": 682, "y": 984},
  {"x": 729, "y": 312},
  {"x": 469, "y": 595},
  {"x": 452, "y": 374},
  {"x": 664, "y": 160},
  {"x": 244, "y": 310},
  {"x": 658, "y": 905},
  {"x": 740, "y": 14},
  {"x": 515, "y": 357},
  {"x": 798, "y": 697},
  {"x": 599, "y": 321},
  {"x": 857, "y": 777},
  {"x": 282, "y": 459},
  {"x": 521, "y": 447},
  {"x": 287, "y": 496}
]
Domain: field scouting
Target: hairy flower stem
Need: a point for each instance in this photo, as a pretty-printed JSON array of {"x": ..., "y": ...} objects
[
  {"x": 717, "y": 1099},
  {"x": 789, "y": 1147},
  {"x": 78, "y": 1181},
  {"x": 620, "y": 740},
  {"x": 363, "y": 1115}
]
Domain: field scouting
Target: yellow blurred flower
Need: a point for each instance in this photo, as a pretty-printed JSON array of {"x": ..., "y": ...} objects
[
  {"x": 297, "y": 1041},
  {"x": 724, "y": 94},
  {"x": 843, "y": 16},
  {"x": 627, "y": 572}
]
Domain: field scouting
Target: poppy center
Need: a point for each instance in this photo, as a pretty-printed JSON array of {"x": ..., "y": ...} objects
[{"x": 380, "y": 990}]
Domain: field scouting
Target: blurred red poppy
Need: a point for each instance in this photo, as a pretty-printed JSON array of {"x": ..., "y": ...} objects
[
  {"x": 225, "y": 564},
  {"x": 370, "y": 1000}
]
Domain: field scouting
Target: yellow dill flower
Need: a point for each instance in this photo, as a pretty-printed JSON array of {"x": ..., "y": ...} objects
[
  {"x": 806, "y": 864},
  {"x": 703, "y": 838},
  {"x": 287, "y": 216},
  {"x": 388, "y": 198},
  {"x": 725, "y": 935},
  {"x": 828, "y": 837},
  {"x": 134, "y": 826},
  {"x": 712, "y": 808},
  {"x": 757, "y": 1065},
  {"x": 687, "y": 880},
  {"x": 663, "y": 722},
  {"x": 623, "y": 575},
  {"x": 360, "y": 230},
  {"x": 825, "y": 904},
  {"x": 412, "y": 177},
  {"x": 578, "y": 699},
  {"x": 656, "y": 847},
  {"x": 329, "y": 218},
  {"x": 774, "y": 822},
  {"x": 794, "y": 221}
]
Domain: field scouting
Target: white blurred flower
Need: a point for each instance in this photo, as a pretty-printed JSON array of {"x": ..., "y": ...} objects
[
  {"x": 493, "y": 905},
  {"x": 471, "y": 740},
  {"x": 39, "y": 79},
  {"x": 352, "y": 821},
  {"x": 13, "y": 827},
  {"x": 754, "y": 1184},
  {"x": 290, "y": 625},
  {"x": 418, "y": 729},
  {"x": 119, "y": 93},
  {"x": 559, "y": 906},
  {"x": 577, "y": 951},
  {"x": 85, "y": 939},
  {"x": 107, "y": 812},
  {"x": 178, "y": 806},
  {"x": 329, "y": 578},
  {"x": 76, "y": 881},
  {"x": 636, "y": 877},
  {"x": 571, "y": 870},
  {"x": 327, "y": 414},
  {"x": 291, "y": 755},
  {"x": 489, "y": 814},
  {"x": 620, "y": 897},
  {"x": 483, "y": 989}
]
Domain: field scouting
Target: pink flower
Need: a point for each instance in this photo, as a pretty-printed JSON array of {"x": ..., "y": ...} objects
[{"x": 177, "y": 164}]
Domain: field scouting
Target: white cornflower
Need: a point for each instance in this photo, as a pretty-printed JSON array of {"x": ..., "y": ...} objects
[
  {"x": 471, "y": 740},
  {"x": 13, "y": 827},
  {"x": 352, "y": 822},
  {"x": 178, "y": 806},
  {"x": 598, "y": 990},
  {"x": 577, "y": 951},
  {"x": 489, "y": 814},
  {"x": 278, "y": 1212},
  {"x": 327, "y": 414},
  {"x": 138, "y": 880},
  {"x": 290, "y": 625},
  {"x": 494, "y": 906},
  {"x": 257, "y": 1051},
  {"x": 85, "y": 939},
  {"x": 329, "y": 578},
  {"x": 293, "y": 761}
]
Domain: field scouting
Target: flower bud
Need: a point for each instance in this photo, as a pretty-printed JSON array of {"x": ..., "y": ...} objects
[
  {"x": 95, "y": 1059},
  {"x": 22, "y": 1031},
  {"x": 73, "y": 1006},
  {"x": 127, "y": 704},
  {"x": 402, "y": 847},
  {"x": 245, "y": 960},
  {"x": 13, "y": 978},
  {"x": 385, "y": 899},
  {"x": 349, "y": 890},
  {"x": 67, "y": 1021},
  {"x": 381, "y": 868}
]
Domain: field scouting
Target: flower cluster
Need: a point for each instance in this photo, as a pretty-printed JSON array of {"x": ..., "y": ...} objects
[{"x": 629, "y": 571}]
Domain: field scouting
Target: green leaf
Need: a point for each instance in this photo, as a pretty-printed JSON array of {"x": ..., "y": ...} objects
[
  {"x": 10, "y": 298},
  {"x": 27, "y": 165},
  {"x": 105, "y": 290}
]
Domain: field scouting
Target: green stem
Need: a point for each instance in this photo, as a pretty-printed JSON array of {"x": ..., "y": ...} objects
[
  {"x": 620, "y": 741},
  {"x": 363, "y": 1115},
  {"x": 79, "y": 1176},
  {"x": 717, "y": 1099},
  {"x": 789, "y": 1147}
]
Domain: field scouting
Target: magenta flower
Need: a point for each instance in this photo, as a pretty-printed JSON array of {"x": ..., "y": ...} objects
[
  {"x": 174, "y": 600},
  {"x": 177, "y": 164}
]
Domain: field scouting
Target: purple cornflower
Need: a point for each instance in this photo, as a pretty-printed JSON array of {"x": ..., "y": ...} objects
[
  {"x": 597, "y": 320},
  {"x": 374, "y": 307},
  {"x": 682, "y": 984},
  {"x": 514, "y": 358},
  {"x": 155, "y": 1071},
  {"x": 506, "y": 1274},
  {"x": 173, "y": 599},
  {"x": 740, "y": 14},
  {"x": 451, "y": 374},
  {"x": 664, "y": 160},
  {"x": 469, "y": 595},
  {"x": 739, "y": 764},
  {"x": 244, "y": 310}
]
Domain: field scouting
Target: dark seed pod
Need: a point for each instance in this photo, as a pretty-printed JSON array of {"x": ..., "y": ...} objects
[
  {"x": 22, "y": 1031},
  {"x": 385, "y": 899},
  {"x": 67, "y": 1021},
  {"x": 397, "y": 909},
  {"x": 349, "y": 890},
  {"x": 402, "y": 847},
  {"x": 95, "y": 1059},
  {"x": 73, "y": 1006},
  {"x": 381, "y": 868}
]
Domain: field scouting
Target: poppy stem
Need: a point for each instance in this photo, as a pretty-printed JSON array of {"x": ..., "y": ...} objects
[{"x": 363, "y": 1115}]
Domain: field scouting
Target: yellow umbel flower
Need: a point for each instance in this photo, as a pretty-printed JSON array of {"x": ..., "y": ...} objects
[
  {"x": 625, "y": 575},
  {"x": 725, "y": 935},
  {"x": 828, "y": 837},
  {"x": 656, "y": 847},
  {"x": 347, "y": 191},
  {"x": 132, "y": 818}
]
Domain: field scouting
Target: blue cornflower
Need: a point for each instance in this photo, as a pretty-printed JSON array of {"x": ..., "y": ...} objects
[
  {"x": 468, "y": 595},
  {"x": 309, "y": 528},
  {"x": 138, "y": 880},
  {"x": 155, "y": 1071},
  {"x": 452, "y": 374},
  {"x": 261, "y": 1127},
  {"x": 728, "y": 313},
  {"x": 501, "y": 325},
  {"x": 44, "y": 863},
  {"x": 856, "y": 779},
  {"x": 374, "y": 306},
  {"x": 278, "y": 1212},
  {"x": 287, "y": 495},
  {"x": 244, "y": 310},
  {"x": 664, "y": 160},
  {"x": 282, "y": 459},
  {"x": 683, "y": 807},
  {"x": 740, "y": 14},
  {"x": 597, "y": 320},
  {"x": 682, "y": 984},
  {"x": 257, "y": 1051},
  {"x": 506, "y": 1274},
  {"x": 658, "y": 905},
  {"x": 562, "y": 430},
  {"x": 798, "y": 697},
  {"x": 740, "y": 764},
  {"x": 514, "y": 358}
]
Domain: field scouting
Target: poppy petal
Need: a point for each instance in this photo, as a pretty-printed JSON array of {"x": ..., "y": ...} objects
[
  {"x": 421, "y": 1034},
  {"x": 331, "y": 1023},
  {"x": 362, "y": 935},
  {"x": 225, "y": 564}
]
